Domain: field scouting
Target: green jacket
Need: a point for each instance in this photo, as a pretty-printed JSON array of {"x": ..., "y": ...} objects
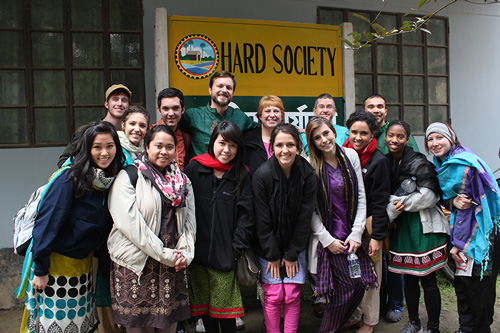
[
  {"x": 380, "y": 136},
  {"x": 200, "y": 123}
]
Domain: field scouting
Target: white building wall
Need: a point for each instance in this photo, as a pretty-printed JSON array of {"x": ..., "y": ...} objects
[{"x": 474, "y": 80}]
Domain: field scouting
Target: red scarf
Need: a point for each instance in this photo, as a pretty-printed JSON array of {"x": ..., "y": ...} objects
[
  {"x": 365, "y": 153},
  {"x": 210, "y": 162}
]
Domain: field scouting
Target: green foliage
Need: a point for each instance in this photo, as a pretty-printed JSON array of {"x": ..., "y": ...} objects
[
  {"x": 422, "y": 3},
  {"x": 378, "y": 31}
]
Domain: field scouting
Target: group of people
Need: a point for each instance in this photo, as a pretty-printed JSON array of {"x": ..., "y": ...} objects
[{"x": 169, "y": 209}]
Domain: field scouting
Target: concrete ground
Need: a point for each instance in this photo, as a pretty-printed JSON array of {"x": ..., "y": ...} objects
[{"x": 10, "y": 319}]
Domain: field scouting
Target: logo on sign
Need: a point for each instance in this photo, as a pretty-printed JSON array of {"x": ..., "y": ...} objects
[{"x": 196, "y": 56}]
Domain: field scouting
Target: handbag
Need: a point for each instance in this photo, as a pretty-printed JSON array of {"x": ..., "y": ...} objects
[{"x": 247, "y": 270}]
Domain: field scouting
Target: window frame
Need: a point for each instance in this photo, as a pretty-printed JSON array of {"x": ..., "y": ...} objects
[
  {"x": 29, "y": 68},
  {"x": 375, "y": 74}
]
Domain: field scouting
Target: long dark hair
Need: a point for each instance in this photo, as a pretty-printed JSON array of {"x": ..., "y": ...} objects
[
  {"x": 81, "y": 159},
  {"x": 231, "y": 132}
]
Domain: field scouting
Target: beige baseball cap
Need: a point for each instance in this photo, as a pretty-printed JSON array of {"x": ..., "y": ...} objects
[{"x": 116, "y": 87}]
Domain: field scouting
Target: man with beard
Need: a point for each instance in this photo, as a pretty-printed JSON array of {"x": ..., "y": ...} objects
[{"x": 200, "y": 122}]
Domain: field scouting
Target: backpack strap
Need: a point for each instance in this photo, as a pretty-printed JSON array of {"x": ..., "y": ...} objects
[{"x": 132, "y": 174}]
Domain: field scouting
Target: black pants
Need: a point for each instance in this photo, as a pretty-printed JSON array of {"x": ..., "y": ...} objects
[
  {"x": 432, "y": 298},
  {"x": 476, "y": 298},
  {"x": 212, "y": 324}
]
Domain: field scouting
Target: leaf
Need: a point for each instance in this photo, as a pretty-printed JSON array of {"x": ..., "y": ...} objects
[
  {"x": 409, "y": 13},
  {"x": 369, "y": 36},
  {"x": 356, "y": 37},
  {"x": 422, "y": 3},
  {"x": 348, "y": 42},
  {"x": 364, "y": 18},
  {"x": 379, "y": 29},
  {"x": 408, "y": 24},
  {"x": 425, "y": 30}
]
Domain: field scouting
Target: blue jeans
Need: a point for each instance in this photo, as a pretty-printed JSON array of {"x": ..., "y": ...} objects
[{"x": 392, "y": 295}]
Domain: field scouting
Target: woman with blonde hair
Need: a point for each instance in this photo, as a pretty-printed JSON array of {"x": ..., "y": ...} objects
[
  {"x": 341, "y": 203},
  {"x": 271, "y": 112}
]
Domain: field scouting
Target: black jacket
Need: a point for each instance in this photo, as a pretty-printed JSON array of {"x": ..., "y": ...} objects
[
  {"x": 255, "y": 152},
  {"x": 265, "y": 185},
  {"x": 377, "y": 179},
  {"x": 223, "y": 226}
]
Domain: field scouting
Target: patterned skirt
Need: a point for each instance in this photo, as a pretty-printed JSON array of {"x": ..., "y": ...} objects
[
  {"x": 67, "y": 304},
  {"x": 158, "y": 299},
  {"x": 412, "y": 251},
  {"x": 214, "y": 292}
]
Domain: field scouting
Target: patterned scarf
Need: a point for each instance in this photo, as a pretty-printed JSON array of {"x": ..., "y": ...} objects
[
  {"x": 101, "y": 181},
  {"x": 172, "y": 184},
  {"x": 365, "y": 153}
]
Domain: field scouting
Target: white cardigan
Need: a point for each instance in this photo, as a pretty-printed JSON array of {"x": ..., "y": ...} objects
[
  {"x": 319, "y": 234},
  {"x": 136, "y": 214}
]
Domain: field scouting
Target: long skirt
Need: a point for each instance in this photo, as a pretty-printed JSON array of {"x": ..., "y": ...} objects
[
  {"x": 157, "y": 299},
  {"x": 412, "y": 251},
  {"x": 214, "y": 292},
  {"x": 67, "y": 304}
]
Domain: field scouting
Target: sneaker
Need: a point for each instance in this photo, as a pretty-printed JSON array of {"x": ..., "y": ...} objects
[
  {"x": 394, "y": 315},
  {"x": 199, "y": 326},
  {"x": 412, "y": 327},
  {"x": 240, "y": 325}
]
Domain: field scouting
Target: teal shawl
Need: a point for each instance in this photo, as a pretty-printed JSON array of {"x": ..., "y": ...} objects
[{"x": 452, "y": 175}]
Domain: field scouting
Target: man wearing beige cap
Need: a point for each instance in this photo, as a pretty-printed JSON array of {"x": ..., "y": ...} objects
[{"x": 117, "y": 101}]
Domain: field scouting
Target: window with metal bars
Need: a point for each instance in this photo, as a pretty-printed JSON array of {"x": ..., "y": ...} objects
[
  {"x": 410, "y": 70},
  {"x": 58, "y": 58}
]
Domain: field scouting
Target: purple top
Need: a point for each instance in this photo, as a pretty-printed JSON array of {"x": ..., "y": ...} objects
[{"x": 341, "y": 227}]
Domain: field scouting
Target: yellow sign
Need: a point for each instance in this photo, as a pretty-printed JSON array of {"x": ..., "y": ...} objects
[{"x": 266, "y": 57}]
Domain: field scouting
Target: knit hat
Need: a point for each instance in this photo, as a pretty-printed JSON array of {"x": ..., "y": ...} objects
[{"x": 442, "y": 129}]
